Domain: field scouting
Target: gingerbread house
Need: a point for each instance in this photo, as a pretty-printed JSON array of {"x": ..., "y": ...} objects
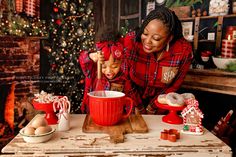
[{"x": 192, "y": 118}]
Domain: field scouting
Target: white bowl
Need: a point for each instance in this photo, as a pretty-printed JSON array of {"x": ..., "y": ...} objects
[
  {"x": 222, "y": 63},
  {"x": 205, "y": 59},
  {"x": 37, "y": 138}
]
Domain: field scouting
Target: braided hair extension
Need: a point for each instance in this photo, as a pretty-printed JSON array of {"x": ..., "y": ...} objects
[{"x": 169, "y": 19}]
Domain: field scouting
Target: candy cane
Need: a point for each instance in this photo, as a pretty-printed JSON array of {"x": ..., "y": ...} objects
[
  {"x": 55, "y": 102},
  {"x": 62, "y": 103},
  {"x": 61, "y": 113},
  {"x": 66, "y": 104},
  {"x": 221, "y": 122}
]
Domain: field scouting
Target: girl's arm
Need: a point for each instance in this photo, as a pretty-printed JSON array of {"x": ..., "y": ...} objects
[{"x": 87, "y": 62}]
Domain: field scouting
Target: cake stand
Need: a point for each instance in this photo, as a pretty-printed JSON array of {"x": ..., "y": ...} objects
[
  {"x": 172, "y": 117},
  {"x": 50, "y": 115}
]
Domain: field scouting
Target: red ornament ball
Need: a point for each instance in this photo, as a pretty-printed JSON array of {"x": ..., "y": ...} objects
[
  {"x": 55, "y": 9},
  {"x": 81, "y": 81},
  {"x": 53, "y": 66},
  {"x": 58, "y": 21}
]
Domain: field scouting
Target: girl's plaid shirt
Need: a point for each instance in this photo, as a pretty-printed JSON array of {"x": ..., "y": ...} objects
[{"x": 119, "y": 83}]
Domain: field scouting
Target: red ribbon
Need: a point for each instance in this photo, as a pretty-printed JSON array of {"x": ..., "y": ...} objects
[{"x": 109, "y": 47}]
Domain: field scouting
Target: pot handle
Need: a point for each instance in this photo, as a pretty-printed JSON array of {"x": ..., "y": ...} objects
[{"x": 128, "y": 104}]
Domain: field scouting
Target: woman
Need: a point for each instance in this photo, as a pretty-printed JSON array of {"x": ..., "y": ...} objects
[{"x": 158, "y": 57}]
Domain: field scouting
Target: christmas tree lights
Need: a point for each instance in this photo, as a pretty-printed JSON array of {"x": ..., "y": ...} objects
[
  {"x": 16, "y": 25},
  {"x": 71, "y": 31}
]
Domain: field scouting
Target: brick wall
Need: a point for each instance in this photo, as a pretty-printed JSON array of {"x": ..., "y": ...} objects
[{"x": 19, "y": 63}]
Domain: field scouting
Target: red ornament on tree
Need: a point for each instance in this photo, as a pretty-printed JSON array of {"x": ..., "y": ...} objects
[
  {"x": 81, "y": 81},
  {"x": 58, "y": 21},
  {"x": 53, "y": 66},
  {"x": 55, "y": 9}
]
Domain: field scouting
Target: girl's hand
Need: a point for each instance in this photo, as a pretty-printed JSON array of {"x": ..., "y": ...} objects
[
  {"x": 93, "y": 56},
  {"x": 100, "y": 57}
]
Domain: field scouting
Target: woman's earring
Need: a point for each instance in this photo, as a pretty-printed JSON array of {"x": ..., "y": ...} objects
[{"x": 167, "y": 47}]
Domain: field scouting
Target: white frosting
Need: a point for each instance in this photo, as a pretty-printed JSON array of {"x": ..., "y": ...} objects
[{"x": 174, "y": 99}]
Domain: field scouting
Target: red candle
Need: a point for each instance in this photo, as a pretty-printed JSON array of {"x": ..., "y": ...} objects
[
  {"x": 30, "y": 7},
  {"x": 228, "y": 48},
  {"x": 19, "y": 6}
]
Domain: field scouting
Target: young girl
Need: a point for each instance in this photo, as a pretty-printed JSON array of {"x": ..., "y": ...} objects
[{"x": 111, "y": 59}]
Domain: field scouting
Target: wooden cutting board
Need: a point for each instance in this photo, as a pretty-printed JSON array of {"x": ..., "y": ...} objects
[{"x": 134, "y": 124}]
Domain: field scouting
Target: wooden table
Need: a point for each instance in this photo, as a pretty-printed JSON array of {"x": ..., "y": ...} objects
[{"x": 76, "y": 143}]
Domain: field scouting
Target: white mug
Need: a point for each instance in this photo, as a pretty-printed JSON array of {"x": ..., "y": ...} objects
[{"x": 64, "y": 121}]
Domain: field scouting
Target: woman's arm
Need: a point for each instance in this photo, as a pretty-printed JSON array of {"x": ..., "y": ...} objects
[{"x": 183, "y": 69}]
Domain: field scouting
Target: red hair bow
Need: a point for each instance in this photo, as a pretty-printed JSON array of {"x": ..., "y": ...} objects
[{"x": 109, "y": 47}]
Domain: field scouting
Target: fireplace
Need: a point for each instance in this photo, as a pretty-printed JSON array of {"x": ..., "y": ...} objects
[
  {"x": 7, "y": 98},
  {"x": 20, "y": 66}
]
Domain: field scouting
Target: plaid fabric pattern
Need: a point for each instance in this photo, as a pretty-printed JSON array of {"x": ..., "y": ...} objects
[
  {"x": 148, "y": 73},
  {"x": 89, "y": 69},
  {"x": 228, "y": 48}
]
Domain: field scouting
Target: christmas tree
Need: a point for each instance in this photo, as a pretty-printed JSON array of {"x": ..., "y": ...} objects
[{"x": 71, "y": 31}]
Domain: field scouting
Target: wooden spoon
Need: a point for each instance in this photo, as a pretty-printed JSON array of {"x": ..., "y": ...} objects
[{"x": 99, "y": 89}]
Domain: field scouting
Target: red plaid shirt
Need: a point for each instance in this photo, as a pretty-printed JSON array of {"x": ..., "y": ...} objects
[
  {"x": 152, "y": 76},
  {"x": 119, "y": 83}
]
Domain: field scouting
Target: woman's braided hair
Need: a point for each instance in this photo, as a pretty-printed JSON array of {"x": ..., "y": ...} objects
[{"x": 169, "y": 19}]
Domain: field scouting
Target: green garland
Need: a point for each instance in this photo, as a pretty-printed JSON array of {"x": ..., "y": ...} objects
[
  {"x": 14, "y": 24},
  {"x": 19, "y": 24},
  {"x": 178, "y": 3}
]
